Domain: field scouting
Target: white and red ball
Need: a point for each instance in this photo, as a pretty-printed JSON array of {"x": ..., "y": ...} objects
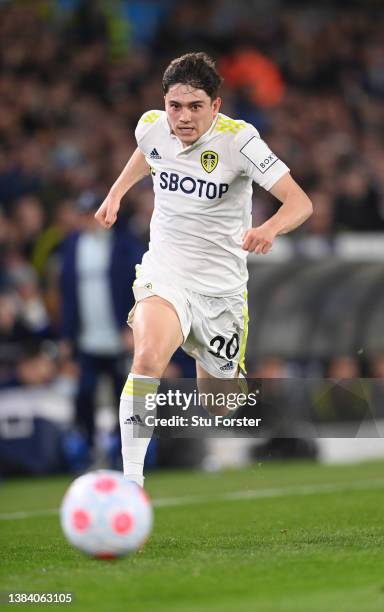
[{"x": 105, "y": 515}]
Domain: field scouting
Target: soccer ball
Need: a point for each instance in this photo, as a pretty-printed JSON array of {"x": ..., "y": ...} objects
[{"x": 105, "y": 515}]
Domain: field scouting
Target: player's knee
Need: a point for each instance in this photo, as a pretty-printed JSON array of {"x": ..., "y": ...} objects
[{"x": 148, "y": 362}]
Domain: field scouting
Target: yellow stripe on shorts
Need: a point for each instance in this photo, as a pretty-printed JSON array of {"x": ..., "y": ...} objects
[{"x": 244, "y": 338}]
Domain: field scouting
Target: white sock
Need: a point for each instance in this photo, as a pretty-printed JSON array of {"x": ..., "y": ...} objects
[{"x": 134, "y": 438}]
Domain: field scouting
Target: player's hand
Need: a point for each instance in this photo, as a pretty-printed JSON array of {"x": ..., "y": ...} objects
[
  {"x": 258, "y": 239},
  {"x": 106, "y": 214}
]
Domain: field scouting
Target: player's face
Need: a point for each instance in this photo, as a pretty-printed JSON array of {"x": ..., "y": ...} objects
[{"x": 190, "y": 112}]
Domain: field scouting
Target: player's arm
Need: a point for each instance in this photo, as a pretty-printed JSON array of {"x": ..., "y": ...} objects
[
  {"x": 295, "y": 209},
  {"x": 133, "y": 172}
]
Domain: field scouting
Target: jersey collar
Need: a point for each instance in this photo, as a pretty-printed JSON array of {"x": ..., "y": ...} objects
[{"x": 203, "y": 138}]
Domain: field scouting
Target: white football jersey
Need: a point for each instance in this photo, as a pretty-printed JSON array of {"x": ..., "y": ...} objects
[{"x": 203, "y": 201}]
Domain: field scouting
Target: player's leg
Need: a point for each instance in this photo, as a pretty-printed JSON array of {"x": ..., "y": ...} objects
[
  {"x": 218, "y": 343},
  {"x": 211, "y": 387},
  {"x": 157, "y": 334}
]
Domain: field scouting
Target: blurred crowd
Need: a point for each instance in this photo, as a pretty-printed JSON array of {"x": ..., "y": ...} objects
[{"x": 75, "y": 76}]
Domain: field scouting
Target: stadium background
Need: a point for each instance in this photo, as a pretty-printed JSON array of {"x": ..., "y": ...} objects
[{"x": 75, "y": 78}]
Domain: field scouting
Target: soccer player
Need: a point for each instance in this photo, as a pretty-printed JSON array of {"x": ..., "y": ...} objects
[{"x": 190, "y": 288}]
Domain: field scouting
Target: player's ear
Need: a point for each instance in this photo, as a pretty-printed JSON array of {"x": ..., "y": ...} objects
[{"x": 216, "y": 103}]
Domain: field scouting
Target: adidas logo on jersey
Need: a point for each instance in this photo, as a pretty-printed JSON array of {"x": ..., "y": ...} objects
[
  {"x": 154, "y": 154},
  {"x": 228, "y": 366}
]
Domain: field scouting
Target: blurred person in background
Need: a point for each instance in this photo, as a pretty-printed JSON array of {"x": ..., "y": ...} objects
[
  {"x": 343, "y": 367},
  {"x": 358, "y": 202},
  {"x": 97, "y": 273},
  {"x": 376, "y": 366},
  {"x": 283, "y": 402},
  {"x": 23, "y": 360},
  {"x": 341, "y": 396},
  {"x": 32, "y": 310},
  {"x": 317, "y": 240},
  {"x": 375, "y": 382},
  {"x": 47, "y": 254},
  {"x": 7, "y": 239},
  {"x": 29, "y": 218}
]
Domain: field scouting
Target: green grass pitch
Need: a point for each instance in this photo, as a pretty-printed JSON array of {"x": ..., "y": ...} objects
[{"x": 274, "y": 537}]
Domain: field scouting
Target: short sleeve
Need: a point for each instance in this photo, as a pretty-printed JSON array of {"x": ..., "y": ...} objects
[
  {"x": 144, "y": 127},
  {"x": 256, "y": 160}
]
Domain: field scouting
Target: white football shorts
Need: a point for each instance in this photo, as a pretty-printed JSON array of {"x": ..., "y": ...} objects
[{"x": 215, "y": 329}]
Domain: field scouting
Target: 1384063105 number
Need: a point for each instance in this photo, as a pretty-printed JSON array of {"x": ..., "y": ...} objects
[{"x": 39, "y": 598}]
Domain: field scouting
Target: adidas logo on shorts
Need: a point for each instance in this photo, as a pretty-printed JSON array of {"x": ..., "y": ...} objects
[
  {"x": 154, "y": 154},
  {"x": 134, "y": 420},
  {"x": 227, "y": 366}
]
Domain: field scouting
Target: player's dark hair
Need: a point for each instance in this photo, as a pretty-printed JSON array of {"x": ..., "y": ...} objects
[{"x": 195, "y": 69}]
